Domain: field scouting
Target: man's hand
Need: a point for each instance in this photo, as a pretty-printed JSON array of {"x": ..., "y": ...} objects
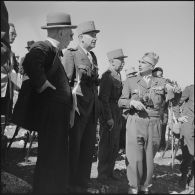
[
  {"x": 137, "y": 105},
  {"x": 45, "y": 86},
  {"x": 110, "y": 123},
  {"x": 183, "y": 119}
]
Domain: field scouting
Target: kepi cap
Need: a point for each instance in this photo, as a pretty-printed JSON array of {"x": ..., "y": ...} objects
[
  {"x": 87, "y": 27},
  {"x": 115, "y": 54}
]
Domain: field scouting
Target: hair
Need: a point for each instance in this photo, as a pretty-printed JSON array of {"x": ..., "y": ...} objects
[{"x": 157, "y": 69}]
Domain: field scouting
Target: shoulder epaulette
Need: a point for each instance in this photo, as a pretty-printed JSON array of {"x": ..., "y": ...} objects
[{"x": 72, "y": 49}]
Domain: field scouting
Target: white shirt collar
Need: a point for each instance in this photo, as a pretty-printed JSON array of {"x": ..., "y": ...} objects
[
  {"x": 84, "y": 50},
  {"x": 54, "y": 42}
]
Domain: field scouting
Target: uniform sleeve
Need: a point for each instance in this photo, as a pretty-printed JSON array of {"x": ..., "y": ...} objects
[
  {"x": 124, "y": 100},
  {"x": 68, "y": 63},
  {"x": 34, "y": 66},
  {"x": 104, "y": 95}
]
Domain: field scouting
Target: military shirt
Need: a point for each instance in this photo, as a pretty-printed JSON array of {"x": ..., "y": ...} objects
[
  {"x": 188, "y": 98},
  {"x": 151, "y": 95}
]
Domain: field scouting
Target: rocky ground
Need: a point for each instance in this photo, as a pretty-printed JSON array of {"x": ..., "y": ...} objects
[{"x": 16, "y": 175}]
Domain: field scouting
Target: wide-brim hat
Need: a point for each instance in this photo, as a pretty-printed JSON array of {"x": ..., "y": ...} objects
[
  {"x": 29, "y": 43},
  {"x": 58, "y": 20},
  {"x": 116, "y": 54},
  {"x": 130, "y": 70},
  {"x": 151, "y": 58},
  {"x": 87, "y": 27}
]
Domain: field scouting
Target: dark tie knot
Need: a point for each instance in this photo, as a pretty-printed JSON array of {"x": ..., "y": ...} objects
[{"x": 60, "y": 54}]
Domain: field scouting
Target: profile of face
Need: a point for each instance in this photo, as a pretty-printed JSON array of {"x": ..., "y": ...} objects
[
  {"x": 65, "y": 37},
  {"x": 12, "y": 34},
  {"x": 144, "y": 66},
  {"x": 118, "y": 64},
  {"x": 88, "y": 40}
]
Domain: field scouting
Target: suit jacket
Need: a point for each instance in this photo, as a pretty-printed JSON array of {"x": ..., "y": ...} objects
[
  {"x": 78, "y": 67},
  {"x": 37, "y": 63}
]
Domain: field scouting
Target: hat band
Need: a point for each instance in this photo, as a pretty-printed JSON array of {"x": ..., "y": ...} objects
[{"x": 58, "y": 23}]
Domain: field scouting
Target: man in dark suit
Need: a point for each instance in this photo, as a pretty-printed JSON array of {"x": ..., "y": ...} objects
[
  {"x": 53, "y": 102},
  {"x": 81, "y": 68},
  {"x": 111, "y": 117}
]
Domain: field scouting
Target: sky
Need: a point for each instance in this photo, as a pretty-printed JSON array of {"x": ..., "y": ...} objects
[{"x": 138, "y": 27}]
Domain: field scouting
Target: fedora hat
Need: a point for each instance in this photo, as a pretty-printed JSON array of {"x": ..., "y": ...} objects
[
  {"x": 58, "y": 20},
  {"x": 29, "y": 43},
  {"x": 130, "y": 70},
  {"x": 115, "y": 54},
  {"x": 87, "y": 27},
  {"x": 151, "y": 58}
]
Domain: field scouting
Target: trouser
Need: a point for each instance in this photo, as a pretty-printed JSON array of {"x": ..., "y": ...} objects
[
  {"x": 187, "y": 164},
  {"x": 123, "y": 134},
  {"x": 82, "y": 139},
  {"x": 142, "y": 142},
  {"x": 108, "y": 148},
  {"x": 51, "y": 171},
  {"x": 163, "y": 139}
]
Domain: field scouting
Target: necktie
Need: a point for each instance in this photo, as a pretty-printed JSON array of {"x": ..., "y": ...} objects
[
  {"x": 90, "y": 57},
  {"x": 60, "y": 53}
]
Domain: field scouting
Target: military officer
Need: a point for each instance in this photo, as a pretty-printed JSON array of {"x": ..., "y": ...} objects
[
  {"x": 187, "y": 134},
  {"x": 141, "y": 99},
  {"x": 110, "y": 119},
  {"x": 81, "y": 67}
]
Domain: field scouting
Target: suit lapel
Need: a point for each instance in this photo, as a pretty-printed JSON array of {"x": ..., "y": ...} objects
[{"x": 84, "y": 56}]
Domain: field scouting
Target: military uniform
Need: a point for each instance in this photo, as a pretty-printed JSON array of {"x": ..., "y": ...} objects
[
  {"x": 83, "y": 134},
  {"x": 110, "y": 91},
  {"x": 143, "y": 128},
  {"x": 187, "y": 134}
]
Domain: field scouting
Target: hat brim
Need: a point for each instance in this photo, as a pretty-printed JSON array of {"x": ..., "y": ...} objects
[
  {"x": 96, "y": 31},
  {"x": 59, "y": 26},
  {"x": 121, "y": 57}
]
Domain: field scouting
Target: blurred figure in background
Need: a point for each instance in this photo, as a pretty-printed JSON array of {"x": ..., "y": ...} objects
[{"x": 187, "y": 135}]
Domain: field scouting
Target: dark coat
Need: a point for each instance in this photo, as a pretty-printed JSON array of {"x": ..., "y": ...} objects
[
  {"x": 76, "y": 62},
  {"x": 52, "y": 108}
]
